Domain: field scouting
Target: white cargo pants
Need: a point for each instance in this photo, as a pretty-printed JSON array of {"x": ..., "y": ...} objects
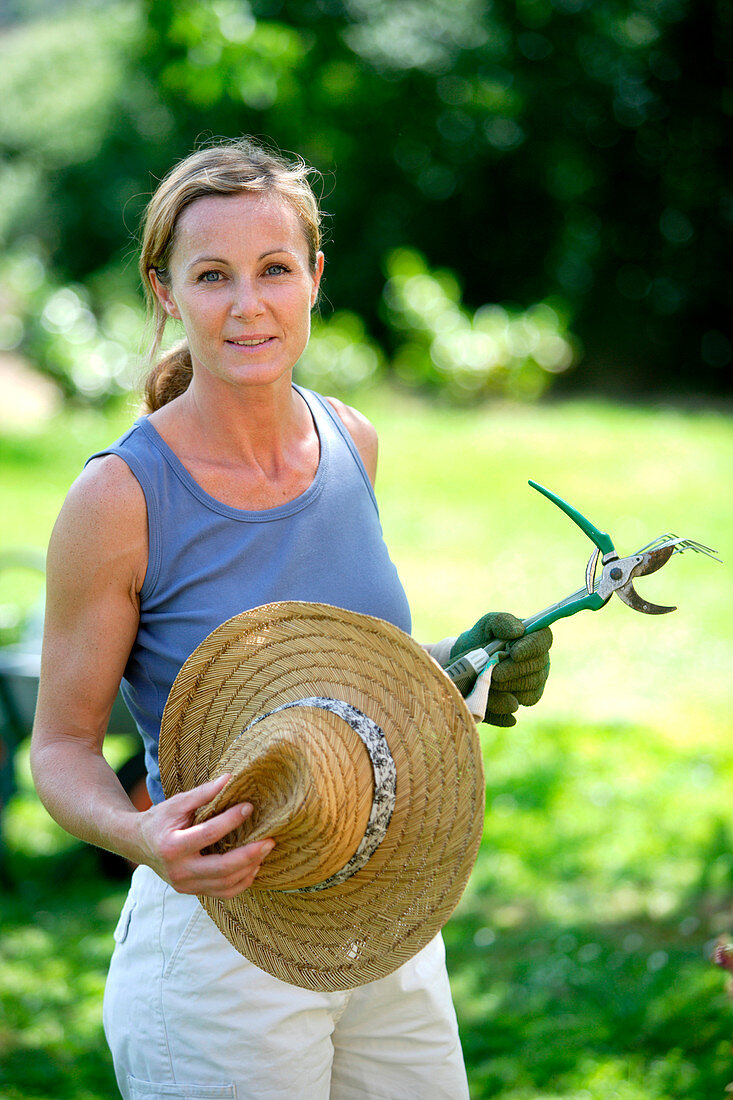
[{"x": 187, "y": 1017}]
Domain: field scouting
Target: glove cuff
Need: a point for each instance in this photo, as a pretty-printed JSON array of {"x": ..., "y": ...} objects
[
  {"x": 476, "y": 701},
  {"x": 440, "y": 651}
]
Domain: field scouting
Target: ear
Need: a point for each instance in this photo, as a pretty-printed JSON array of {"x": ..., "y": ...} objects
[
  {"x": 164, "y": 294},
  {"x": 320, "y": 260}
]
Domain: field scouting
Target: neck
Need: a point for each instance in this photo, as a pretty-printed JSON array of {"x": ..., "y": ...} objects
[
  {"x": 255, "y": 425},
  {"x": 244, "y": 420}
]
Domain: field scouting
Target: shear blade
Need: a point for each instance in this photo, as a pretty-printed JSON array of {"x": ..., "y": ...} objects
[
  {"x": 631, "y": 597},
  {"x": 653, "y": 560}
]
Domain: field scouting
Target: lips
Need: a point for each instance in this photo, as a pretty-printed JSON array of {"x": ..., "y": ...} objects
[{"x": 251, "y": 341}]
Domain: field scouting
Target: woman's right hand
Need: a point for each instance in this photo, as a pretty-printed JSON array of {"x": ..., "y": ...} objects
[{"x": 173, "y": 845}]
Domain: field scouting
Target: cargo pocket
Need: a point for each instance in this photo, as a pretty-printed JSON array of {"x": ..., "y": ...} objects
[
  {"x": 196, "y": 918},
  {"x": 123, "y": 924},
  {"x": 144, "y": 1090}
]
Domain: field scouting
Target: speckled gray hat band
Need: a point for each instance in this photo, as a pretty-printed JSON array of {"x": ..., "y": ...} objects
[{"x": 385, "y": 783}]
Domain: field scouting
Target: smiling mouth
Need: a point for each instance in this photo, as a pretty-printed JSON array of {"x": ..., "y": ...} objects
[{"x": 251, "y": 343}]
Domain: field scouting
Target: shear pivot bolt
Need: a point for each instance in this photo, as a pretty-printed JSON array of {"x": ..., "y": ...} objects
[{"x": 616, "y": 574}]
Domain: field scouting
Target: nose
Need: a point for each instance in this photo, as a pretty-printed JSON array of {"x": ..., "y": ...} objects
[{"x": 247, "y": 302}]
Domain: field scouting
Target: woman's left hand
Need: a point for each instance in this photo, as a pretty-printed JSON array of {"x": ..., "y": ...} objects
[{"x": 517, "y": 680}]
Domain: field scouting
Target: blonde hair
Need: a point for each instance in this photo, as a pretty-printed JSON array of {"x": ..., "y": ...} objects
[{"x": 226, "y": 169}]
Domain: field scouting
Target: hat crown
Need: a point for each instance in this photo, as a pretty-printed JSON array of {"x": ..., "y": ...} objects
[{"x": 310, "y": 780}]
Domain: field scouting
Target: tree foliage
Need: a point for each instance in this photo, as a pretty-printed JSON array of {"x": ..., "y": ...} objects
[{"x": 544, "y": 150}]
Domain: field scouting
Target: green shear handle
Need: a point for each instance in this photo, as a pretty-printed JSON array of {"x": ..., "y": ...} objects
[{"x": 616, "y": 577}]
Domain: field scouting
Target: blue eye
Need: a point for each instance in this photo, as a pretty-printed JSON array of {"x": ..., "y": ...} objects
[
  {"x": 209, "y": 277},
  {"x": 277, "y": 269}
]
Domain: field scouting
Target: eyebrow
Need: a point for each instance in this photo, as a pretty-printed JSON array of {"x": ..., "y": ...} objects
[{"x": 219, "y": 260}]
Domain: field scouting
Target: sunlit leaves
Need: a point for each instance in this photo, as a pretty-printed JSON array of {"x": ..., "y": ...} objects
[
  {"x": 340, "y": 357},
  {"x": 467, "y": 354},
  {"x": 416, "y": 34},
  {"x": 91, "y": 352},
  {"x": 228, "y": 54},
  {"x": 537, "y": 148},
  {"x": 59, "y": 80}
]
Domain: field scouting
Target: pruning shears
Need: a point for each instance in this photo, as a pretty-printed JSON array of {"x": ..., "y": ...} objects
[{"x": 616, "y": 577}]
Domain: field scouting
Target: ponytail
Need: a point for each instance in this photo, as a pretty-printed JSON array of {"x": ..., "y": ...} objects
[{"x": 169, "y": 378}]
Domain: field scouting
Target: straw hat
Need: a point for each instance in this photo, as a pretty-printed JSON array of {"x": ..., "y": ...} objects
[{"x": 360, "y": 758}]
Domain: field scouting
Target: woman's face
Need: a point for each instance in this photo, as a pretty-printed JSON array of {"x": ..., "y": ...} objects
[{"x": 241, "y": 282}]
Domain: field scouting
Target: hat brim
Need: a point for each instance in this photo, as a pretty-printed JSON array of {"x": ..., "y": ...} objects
[{"x": 385, "y": 913}]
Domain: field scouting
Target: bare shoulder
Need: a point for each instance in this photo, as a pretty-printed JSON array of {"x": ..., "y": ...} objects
[
  {"x": 105, "y": 491},
  {"x": 363, "y": 433},
  {"x": 103, "y": 519},
  {"x": 95, "y": 568},
  {"x": 108, "y": 475}
]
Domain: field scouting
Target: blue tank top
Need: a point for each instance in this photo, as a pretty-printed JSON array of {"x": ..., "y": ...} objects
[{"x": 208, "y": 561}]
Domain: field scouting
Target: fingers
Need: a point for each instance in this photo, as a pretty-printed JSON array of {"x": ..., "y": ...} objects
[
  {"x": 187, "y": 802},
  {"x": 500, "y": 624},
  {"x": 500, "y": 719},
  {"x": 501, "y": 702},
  {"x": 218, "y": 875},
  {"x": 521, "y": 677},
  {"x": 225, "y": 876},
  {"x": 530, "y": 696},
  {"x": 177, "y": 849},
  {"x": 495, "y": 624},
  {"x": 531, "y": 646},
  {"x": 210, "y": 832},
  {"x": 524, "y": 673},
  {"x": 179, "y": 811},
  {"x": 526, "y": 688},
  {"x": 511, "y": 672}
]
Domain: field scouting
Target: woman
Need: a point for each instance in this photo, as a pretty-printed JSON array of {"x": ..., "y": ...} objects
[{"x": 236, "y": 490}]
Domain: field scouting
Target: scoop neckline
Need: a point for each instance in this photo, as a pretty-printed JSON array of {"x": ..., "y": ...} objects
[{"x": 250, "y": 515}]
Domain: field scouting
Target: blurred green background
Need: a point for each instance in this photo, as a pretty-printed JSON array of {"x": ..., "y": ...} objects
[
  {"x": 565, "y": 160},
  {"x": 529, "y": 213}
]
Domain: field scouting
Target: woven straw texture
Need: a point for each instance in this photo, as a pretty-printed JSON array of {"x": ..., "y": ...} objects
[{"x": 315, "y": 802}]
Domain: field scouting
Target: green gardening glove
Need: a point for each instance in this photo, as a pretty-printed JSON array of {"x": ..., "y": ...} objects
[{"x": 519, "y": 678}]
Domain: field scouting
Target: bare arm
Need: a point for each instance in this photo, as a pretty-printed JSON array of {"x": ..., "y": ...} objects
[
  {"x": 96, "y": 564},
  {"x": 362, "y": 432}
]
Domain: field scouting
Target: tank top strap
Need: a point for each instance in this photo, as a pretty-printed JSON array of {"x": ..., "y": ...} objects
[{"x": 320, "y": 405}]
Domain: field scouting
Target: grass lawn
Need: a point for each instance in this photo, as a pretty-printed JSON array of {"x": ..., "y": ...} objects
[{"x": 580, "y": 953}]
